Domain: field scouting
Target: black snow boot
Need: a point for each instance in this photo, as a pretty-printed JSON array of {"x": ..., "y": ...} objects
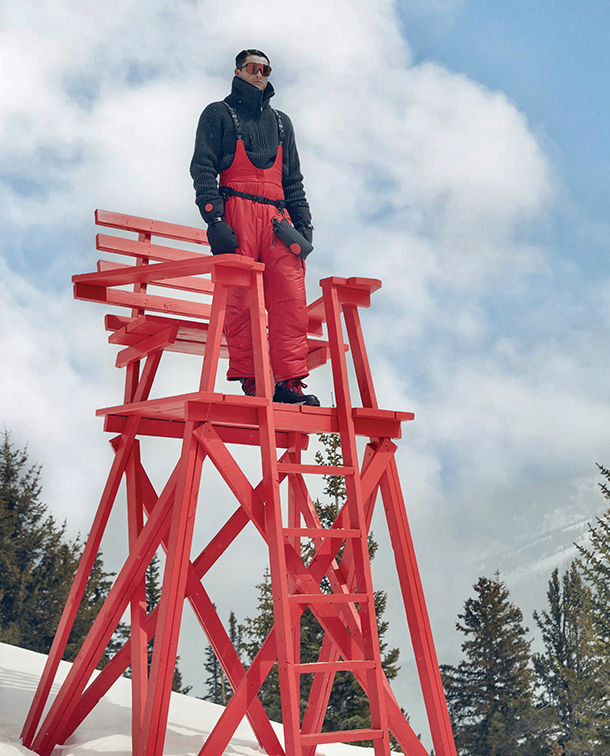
[
  {"x": 291, "y": 392},
  {"x": 248, "y": 386}
]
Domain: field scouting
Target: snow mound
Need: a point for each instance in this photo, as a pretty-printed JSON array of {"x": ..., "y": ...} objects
[{"x": 107, "y": 729}]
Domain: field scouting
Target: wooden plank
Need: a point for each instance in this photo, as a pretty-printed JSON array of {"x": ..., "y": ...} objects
[
  {"x": 240, "y": 411},
  {"x": 191, "y": 339},
  {"x": 341, "y": 736},
  {"x": 130, "y": 274},
  {"x": 175, "y": 429},
  {"x": 370, "y": 284},
  {"x": 321, "y": 532},
  {"x": 316, "y": 316},
  {"x": 317, "y": 357},
  {"x": 381, "y": 414},
  {"x": 291, "y": 467},
  {"x": 145, "y": 250},
  {"x": 129, "y": 331},
  {"x": 147, "y": 346},
  {"x": 131, "y": 299},
  {"x": 154, "y": 227},
  {"x": 148, "y": 427},
  {"x": 334, "y": 666},
  {"x": 329, "y": 598},
  {"x": 195, "y": 285}
]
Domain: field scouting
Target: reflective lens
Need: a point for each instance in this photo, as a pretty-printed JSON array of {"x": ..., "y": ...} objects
[{"x": 254, "y": 68}]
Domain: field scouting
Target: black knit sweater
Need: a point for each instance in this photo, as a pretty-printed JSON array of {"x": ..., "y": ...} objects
[{"x": 216, "y": 140}]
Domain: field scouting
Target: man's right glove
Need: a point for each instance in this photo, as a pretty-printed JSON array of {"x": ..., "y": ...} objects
[{"x": 221, "y": 237}]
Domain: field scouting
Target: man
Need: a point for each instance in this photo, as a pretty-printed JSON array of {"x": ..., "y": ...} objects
[{"x": 251, "y": 149}]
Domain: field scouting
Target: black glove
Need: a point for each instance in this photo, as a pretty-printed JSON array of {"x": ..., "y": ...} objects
[
  {"x": 301, "y": 220},
  {"x": 221, "y": 237},
  {"x": 306, "y": 231},
  {"x": 212, "y": 208}
]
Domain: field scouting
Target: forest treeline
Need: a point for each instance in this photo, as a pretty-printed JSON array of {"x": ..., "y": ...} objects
[{"x": 504, "y": 698}]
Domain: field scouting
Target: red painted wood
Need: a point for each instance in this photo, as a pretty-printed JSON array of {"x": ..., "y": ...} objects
[
  {"x": 333, "y": 295},
  {"x": 120, "y": 298},
  {"x": 148, "y": 251},
  {"x": 105, "y": 624},
  {"x": 417, "y": 614},
  {"x": 139, "y": 636},
  {"x": 146, "y": 347},
  {"x": 192, "y": 283},
  {"x": 206, "y": 422},
  {"x": 214, "y": 340},
  {"x": 80, "y": 582},
  {"x": 147, "y": 273},
  {"x": 153, "y": 227}
]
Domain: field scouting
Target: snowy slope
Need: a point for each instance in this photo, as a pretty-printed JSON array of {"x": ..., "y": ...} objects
[{"x": 107, "y": 729}]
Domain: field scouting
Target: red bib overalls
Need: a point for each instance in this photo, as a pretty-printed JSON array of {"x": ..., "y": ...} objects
[{"x": 284, "y": 275}]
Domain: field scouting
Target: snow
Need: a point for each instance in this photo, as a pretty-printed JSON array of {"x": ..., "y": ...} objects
[{"x": 107, "y": 729}]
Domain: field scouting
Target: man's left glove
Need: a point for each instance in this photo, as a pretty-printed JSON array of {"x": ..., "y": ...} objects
[
  {"x": 221, "y": 237},
  {"x": 301, "y": 220}
]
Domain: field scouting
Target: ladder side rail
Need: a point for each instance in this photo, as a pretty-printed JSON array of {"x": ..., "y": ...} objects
[
  {"x": 294, "y": 521},
  {"x": 417, "y": 614},
  {"x": 106, "y": 622},
  {"x": 79, "y": 584},
  {"x": 356, "y": 514},
  {"x": 172, "y": 597}
]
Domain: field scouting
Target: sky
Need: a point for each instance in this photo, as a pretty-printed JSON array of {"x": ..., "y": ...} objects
[{"x": 455, "y": 150}]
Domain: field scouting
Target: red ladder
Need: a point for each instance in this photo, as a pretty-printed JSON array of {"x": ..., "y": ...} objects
[{"x": 208, "y": 424}]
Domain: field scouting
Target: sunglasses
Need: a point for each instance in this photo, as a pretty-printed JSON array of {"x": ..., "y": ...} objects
[{"x": 254, "y": 68}]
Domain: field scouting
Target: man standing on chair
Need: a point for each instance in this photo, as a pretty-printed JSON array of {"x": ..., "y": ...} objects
[{"x": 246, "y": 172}]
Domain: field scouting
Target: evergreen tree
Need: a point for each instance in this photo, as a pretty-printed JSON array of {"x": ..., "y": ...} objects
[
  {"x": 568, "y": 668},
  {"x": 253, "y": 633},
  {"x": 219, "y": 689},
  {"x": 123, "y": 631},
  {"x": 348, "y": 707},
  {"x": 490, "y": 694},
  {"x": 153, "y": 596},
  {"x": 38, "y": 562},
  {"x": 594, "y": 563}
]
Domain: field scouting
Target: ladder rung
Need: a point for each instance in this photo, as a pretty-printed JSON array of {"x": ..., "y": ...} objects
[
  {"x": 340, "y": 736},
  {"x": 322, "y": 532},
  {"x": 338, "y": 666},
  {"x": 328, "y": 598},
  {"x": 293, "y": 467}
]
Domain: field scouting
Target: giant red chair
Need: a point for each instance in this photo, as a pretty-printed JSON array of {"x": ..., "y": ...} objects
[{"x": 208, "y": 425}]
